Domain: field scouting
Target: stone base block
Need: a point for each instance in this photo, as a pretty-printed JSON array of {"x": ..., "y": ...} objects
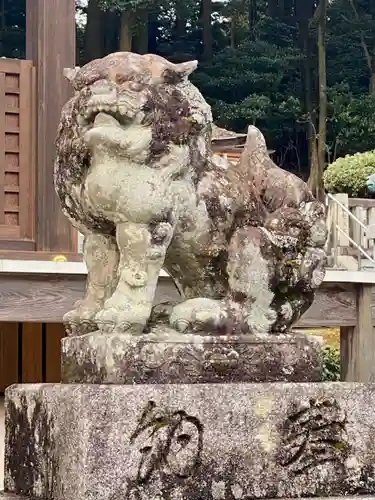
[
  {"x": 165, "y": 356},
  {"x": 185, "y": 442},
  {"x": 11, "y": 496}
]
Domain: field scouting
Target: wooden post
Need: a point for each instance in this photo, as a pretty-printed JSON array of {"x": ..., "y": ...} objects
[
  {"x": 346, "y": 354},
  {"x": 358, "y": 343},
  {"x": 50, "y": 44}
]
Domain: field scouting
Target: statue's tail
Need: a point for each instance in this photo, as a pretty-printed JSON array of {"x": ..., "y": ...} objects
[
  {"x": 255, "y": 142},
  {"x": 255, "y": 152}
]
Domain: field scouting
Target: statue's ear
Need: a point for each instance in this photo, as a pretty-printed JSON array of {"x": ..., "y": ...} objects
[
  {"x": 186, "y": 68},
  {"x": 70, "y": 73},
  {"x": 175, "y": 73}
]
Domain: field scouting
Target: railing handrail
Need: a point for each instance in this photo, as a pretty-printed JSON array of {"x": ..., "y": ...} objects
[
  {"x": 362, "y": 251},
  {"x": 338, "y": 229},
  {"x": 343, "y": 207}
]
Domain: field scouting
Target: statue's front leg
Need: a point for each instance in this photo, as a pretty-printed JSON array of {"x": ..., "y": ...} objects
[
  {"x": 101, "y": 257},
  {"x": 142, "y": 253}
]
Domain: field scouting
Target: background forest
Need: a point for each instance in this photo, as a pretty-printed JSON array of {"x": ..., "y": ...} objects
[{"x": 303, "y": 71}]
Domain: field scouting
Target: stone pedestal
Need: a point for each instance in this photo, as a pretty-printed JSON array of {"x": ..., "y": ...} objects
[
  {"x": 195, "y": 441},
  {"x": 166, "y": 416},
  {"x": 11, "y": 496},
  {"x": 166, "y": 357}
]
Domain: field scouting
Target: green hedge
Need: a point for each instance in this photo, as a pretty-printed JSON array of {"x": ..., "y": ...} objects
[
  {"x": 349, "y": 174},
  {"x": 331, "y": 364}
]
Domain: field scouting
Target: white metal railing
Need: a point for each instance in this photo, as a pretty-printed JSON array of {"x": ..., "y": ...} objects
[
  {"x": 369, "y": 231},
  {"x": 80, "y": 239}
]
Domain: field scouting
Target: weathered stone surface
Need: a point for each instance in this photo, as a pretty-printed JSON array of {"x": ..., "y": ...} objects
[
  {"x": 136, "y": 174},
  {"x": 12, "y": 496},
  {"x": 166, "y": 356},
  {"x": 185, "y": 442}
]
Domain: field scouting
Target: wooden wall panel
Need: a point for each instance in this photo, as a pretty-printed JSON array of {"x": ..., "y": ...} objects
[
  {"x": 32, "y": 352},
  {"x": 9, "y": 355},
  {"x": 54, "y": 333},
  {"x": 29, "y": 353},
  {"x": 3, "y": 174}
]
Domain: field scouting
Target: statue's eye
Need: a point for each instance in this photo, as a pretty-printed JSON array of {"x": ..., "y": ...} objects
[
  {"x": 120, "y": 79},
  {"x": 147, "y": 107},
  {"x": 135, "y": 86},
  {"x": 184, "y": 439},
  {"x": 146, "y": 450}
]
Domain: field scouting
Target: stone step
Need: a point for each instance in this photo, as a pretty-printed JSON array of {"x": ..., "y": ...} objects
[{"x": 209, "y": 441}]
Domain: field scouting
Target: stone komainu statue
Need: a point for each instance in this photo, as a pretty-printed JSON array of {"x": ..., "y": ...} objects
[{"x": 136, "y": 175}]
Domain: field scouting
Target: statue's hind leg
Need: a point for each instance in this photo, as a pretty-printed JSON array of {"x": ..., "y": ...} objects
[
  {"x": 291, "y": 308},
  {"x": 250, "y": 273},
  {"x": 101, "y": 257},
  {"x": 247, "y": 306},
  {"x": 199, "y": 315}
]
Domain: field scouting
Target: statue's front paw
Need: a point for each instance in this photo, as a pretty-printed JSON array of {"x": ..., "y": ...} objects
[
  {"x": 130, "y": 320},
  {"x": 81, "y": 320},
  {"x": 196, "y": 315},
  {"x": 108, "y": 321}
]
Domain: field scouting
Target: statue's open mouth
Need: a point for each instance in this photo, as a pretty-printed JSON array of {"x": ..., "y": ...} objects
[
  {"x": 106, "y": 124},
  {"x": 107, "y": 119}
]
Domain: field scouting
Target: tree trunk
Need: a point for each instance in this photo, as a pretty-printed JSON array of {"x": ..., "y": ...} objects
[
  {"x": 316, "y": 183},
  {"x": 179, "y": 32},
  {"x": 289, "y": 10},
  {"x": 272, "y": 8},
  {"x": 370, "y": 58},
  {"x": 152, "y": 32},
  {"x": 372, "y": 79},
  {"x": 140, "y": 39},
  {"x": 233, "y": 32},
  {"x": 252, "y": 17},
  {"x": 126, "y": 31},
  {"x": 206, "y": 30},
  {"x": 181, "y": 21},
  {"x": 94, "y": 32},
  {"x": 304, "y": 12},
  {"x": 111, "y": 31}
]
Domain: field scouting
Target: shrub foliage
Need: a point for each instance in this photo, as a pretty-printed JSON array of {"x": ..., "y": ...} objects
[{"x": 349, "y": 174}]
